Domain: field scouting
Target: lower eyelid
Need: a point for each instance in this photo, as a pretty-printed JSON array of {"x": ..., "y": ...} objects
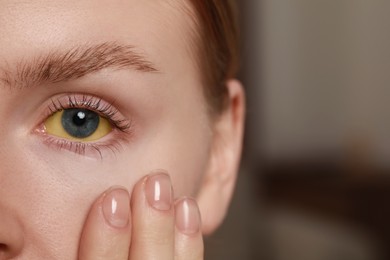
[{"x": 110, "y": 145}]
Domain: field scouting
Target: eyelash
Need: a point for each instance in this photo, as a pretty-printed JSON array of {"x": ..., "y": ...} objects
[{"x": 122, "y": 128}]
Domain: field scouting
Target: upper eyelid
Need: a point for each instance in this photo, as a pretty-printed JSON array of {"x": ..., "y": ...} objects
[
  {"x": 94, "y": 103},
  {"x": 72, "y": 102}
]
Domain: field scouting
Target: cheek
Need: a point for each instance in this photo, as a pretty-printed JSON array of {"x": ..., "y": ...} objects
[
  {"x": 49, "y": 207},
  {"x": 50, "y": 193},
  {"x": 56, "y": 200}
]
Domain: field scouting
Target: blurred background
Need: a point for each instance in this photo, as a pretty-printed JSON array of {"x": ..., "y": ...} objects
[{"x": 315, "y": 177}]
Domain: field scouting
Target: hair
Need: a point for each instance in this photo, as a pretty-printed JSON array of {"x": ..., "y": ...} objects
[{"x": 218, "y": 48}]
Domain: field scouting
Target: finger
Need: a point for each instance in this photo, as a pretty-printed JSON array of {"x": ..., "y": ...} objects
[
  {"x": 188, "y": 235},
  {"x": 153, "y": 219},
  {"x": 107, "y": 230}
]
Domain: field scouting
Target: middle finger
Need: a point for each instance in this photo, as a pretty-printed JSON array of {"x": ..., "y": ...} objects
[{"x": 153, "y": 219}]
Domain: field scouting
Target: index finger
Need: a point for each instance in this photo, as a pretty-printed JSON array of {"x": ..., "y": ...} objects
[{"x": 107, "y": 230}]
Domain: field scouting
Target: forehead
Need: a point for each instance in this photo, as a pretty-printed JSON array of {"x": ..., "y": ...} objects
[{"x": 158, "y": 29}]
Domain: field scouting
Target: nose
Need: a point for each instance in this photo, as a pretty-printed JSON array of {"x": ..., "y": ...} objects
[{"x": 11, "y": 236}]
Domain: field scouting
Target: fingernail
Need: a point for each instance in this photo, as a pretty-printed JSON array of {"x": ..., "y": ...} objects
[
  {"x": 188, "y": 216},
  {"x": 116, "y": 208},
  {"x": 159, "y": 191}
]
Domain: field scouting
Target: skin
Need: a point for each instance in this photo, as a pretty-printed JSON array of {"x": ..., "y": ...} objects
[{"x": 50, "y": 198}]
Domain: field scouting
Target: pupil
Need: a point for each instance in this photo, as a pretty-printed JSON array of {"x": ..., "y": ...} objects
[
  {"x": 80, "y": 123},
  {"x": 79, "y": 118}
]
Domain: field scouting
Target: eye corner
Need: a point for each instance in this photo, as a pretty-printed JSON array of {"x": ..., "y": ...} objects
[{"x": 40, "y": 129}]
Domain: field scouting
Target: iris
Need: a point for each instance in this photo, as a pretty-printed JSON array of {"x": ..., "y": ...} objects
[{"x": 80, "y": 123}]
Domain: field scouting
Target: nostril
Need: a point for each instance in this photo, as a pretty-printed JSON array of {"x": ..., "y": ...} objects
[
  {"x": 7, "y": 252},
  {"x": 4, "y": 251},
  {"x": 11, "y": 235},
  {"x": 3, "y": 248}
]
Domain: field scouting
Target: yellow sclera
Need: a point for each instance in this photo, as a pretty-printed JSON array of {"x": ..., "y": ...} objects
[{"x": 53, "y": 126}]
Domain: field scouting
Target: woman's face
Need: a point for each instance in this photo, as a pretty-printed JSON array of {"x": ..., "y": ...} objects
[{"x": 129, "y": 61}]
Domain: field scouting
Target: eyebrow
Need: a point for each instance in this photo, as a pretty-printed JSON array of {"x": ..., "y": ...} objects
[{"x": 59, "y": 65}]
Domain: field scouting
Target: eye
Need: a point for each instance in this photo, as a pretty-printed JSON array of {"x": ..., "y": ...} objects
[
  {"x": 77, "y": 124},
  {"x": 84, "y": 124}
]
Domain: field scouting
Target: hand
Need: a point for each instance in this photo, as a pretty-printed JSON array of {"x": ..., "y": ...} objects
[{"x": 147, "y": 226}]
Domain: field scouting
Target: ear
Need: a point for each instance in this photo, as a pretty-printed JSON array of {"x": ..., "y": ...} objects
[{"x": 219, "y": 181}]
